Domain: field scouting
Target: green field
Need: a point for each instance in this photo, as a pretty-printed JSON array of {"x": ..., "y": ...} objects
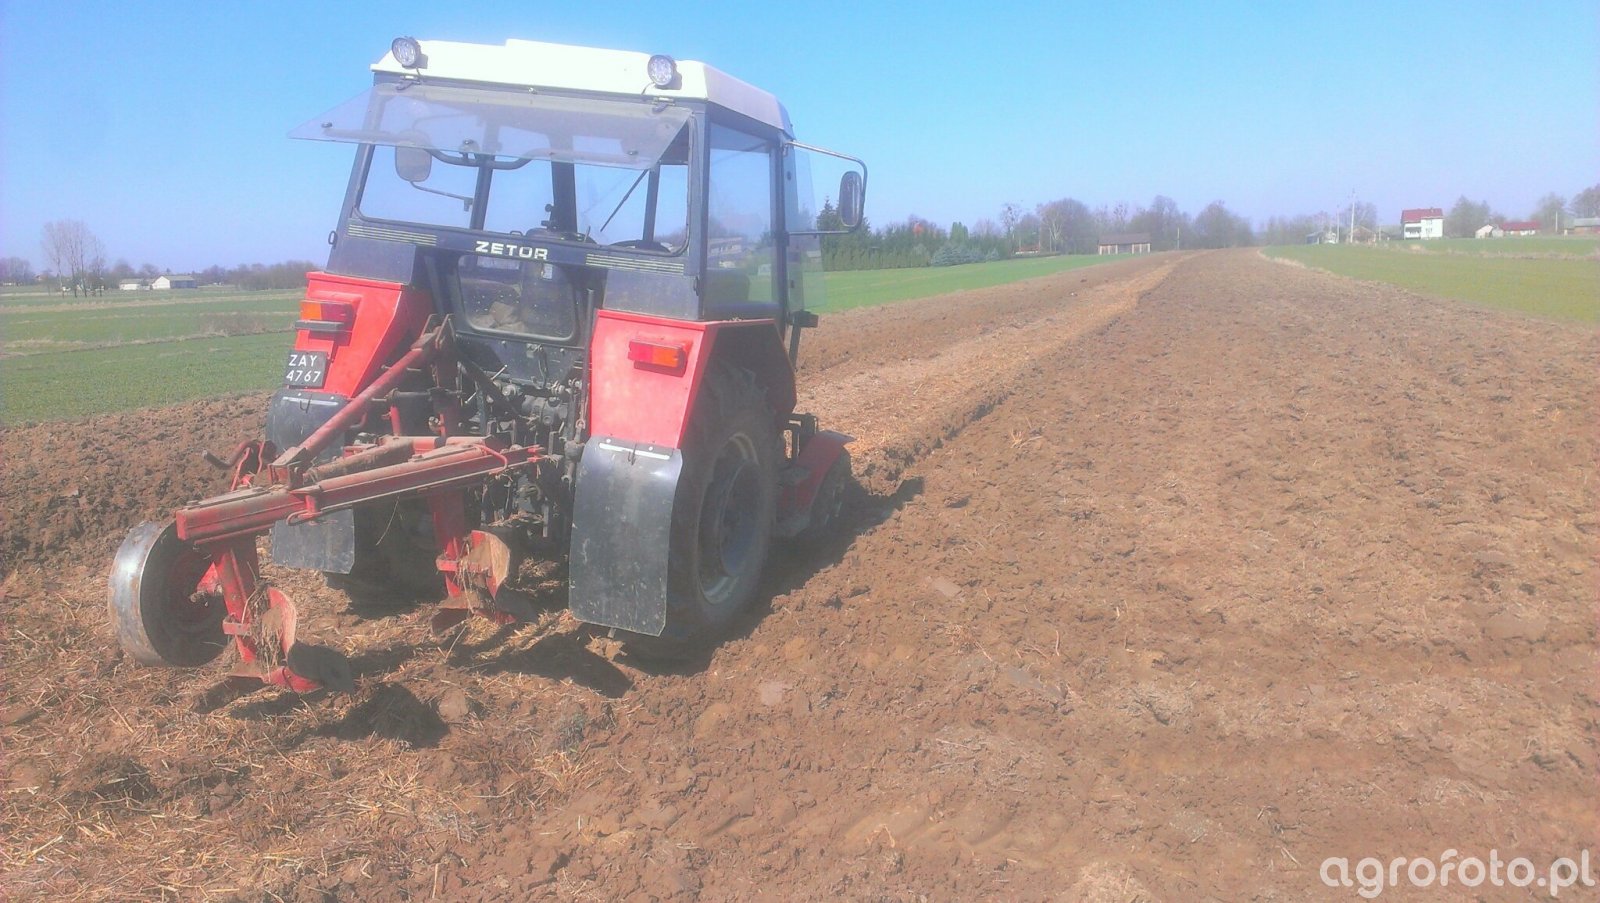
[
  {"x": 1510, "y": 246},
  {"x": 861, "y": 288},
  {"x": 39, "y": 328},
  {"x": 1555, "y": 287},
  {"x": 74, "y": 383},
  {"x": 123, "y": 362}
]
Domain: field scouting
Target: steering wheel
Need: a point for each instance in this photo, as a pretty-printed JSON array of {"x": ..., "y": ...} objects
[
  {"x": 640, "y": 244},
  {"x": 560, "y": 235}
]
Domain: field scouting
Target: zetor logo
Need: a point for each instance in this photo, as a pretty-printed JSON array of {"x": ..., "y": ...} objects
[{"x": 505, "y": 249}]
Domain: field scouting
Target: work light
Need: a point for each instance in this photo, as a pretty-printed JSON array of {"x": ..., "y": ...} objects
[
  {"x": 408, "y": 53},
  {"x": 663, "y": 70}
]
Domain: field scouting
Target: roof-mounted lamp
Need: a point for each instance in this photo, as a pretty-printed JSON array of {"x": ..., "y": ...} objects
[
  {"x": 663, "y": 70},
  {"x": 408, "y": 53}
]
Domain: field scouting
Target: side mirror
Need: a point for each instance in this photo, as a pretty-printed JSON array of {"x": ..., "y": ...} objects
[
  {"x": 850, "y": 199},
  {"x": 413, "y": 164},
  {"x": 809, "y": 174}
]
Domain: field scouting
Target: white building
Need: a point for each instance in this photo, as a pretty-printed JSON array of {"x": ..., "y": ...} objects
[
  {"x": 162, "y": 283},
  {"x": 1422, "y": 222}
]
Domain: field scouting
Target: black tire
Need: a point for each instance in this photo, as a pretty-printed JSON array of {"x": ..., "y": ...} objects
[
  {"x": 158, "y": 614},
  {"x": 722, "y": 515},
  {"x": 828, "y": 507},
  {"x": 395, "y": 555}
]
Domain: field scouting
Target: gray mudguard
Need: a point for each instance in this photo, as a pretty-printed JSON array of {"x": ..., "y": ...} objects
[
  {"x": 622, "y": 534},
  {"x": 325, "y": 544},
  {"x": 329, "y": 542}
]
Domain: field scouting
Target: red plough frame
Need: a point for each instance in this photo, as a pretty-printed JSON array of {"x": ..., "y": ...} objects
[{"x": 440, "y": 469}]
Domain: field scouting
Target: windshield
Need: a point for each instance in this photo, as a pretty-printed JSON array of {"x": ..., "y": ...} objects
[{"x": 578, "y": 169}]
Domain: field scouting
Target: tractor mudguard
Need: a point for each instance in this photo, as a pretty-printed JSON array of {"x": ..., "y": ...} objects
[
  {"x": 621, "y": 534},
  {"x": 325, "y": 544},
  {"x": 329, "y": 542},
  {"x": 794, "y": 502}
]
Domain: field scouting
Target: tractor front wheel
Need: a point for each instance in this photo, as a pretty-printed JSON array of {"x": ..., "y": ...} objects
[
  {"x": 165, "y": 610},
  {"x": 722, "y": 515}
]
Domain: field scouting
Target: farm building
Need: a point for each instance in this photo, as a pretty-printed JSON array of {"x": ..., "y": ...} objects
[
  {"x": 1488, "y": 230},
  {"x": 1422, "y": 222},
  {"x": 1520, "y": 227},
  {"x": 162, "y": 283},
  {"x": 133, "y": 285},
  {"x": 1125, "y": 243},
  {"x": 1325, "y": 237},
  {"x": 1584, "y": 225}
]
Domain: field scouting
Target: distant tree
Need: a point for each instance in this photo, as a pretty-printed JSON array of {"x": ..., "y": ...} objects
[
  {"x": 1163, "y": 221},
  {"x": 1218, "y": 227},
  {"x": 1027, "y": 231},
  {"x": 952, "y": 253},
  {"x": 1071, "y": 226},
  {"x": 1366, "y": 216},
  {"x": 72, "y": 249},
  {"x": 1119, "y": 216},
  {"x": 1292, "y": 230},
  {"x": 15, "y": 270},
  {"x": 96, "y": 273},
  {"x": 1587, "y": 202},
  {"x": 1466, "y": 216},
  {"x": 1550, "y": 212},
  {"x": 1009, "y": 214}
]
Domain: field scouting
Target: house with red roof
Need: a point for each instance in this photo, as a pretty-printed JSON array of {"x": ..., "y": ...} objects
[
  {"x": 1520, "y": 227},
  {"x": 1422, "y": 222}
]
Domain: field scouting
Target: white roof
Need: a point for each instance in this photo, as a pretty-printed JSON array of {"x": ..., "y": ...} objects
[{"x": 564, "y": 66}]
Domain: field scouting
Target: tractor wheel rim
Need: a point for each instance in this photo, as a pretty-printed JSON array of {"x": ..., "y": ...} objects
[{"x": 728, "y": 519}]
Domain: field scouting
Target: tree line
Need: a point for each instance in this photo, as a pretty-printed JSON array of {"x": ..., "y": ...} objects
[
  {"x": 1463, "y": 219},
  {"x": 75, "y": 261},
  {"x": 1063, "y": 226}
]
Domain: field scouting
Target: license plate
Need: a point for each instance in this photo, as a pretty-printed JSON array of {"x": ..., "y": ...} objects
[{"x": 306, "y": 368}]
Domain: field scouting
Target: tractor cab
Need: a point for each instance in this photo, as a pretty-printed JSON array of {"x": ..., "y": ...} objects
[{"x": 528, "y": 185}]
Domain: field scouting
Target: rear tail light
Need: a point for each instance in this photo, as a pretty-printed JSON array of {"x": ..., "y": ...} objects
[
  {"x": 658, "y": 354},
  {"x": 326, "y": 316}
]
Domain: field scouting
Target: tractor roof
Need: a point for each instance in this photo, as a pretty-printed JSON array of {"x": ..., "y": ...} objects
[{"x": 565, "y": 66}]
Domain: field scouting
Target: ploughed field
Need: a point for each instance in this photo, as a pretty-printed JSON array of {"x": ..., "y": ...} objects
[{"x": 1168, "y": 579}]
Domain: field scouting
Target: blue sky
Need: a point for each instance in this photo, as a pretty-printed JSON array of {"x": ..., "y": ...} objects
[{"x": 162, "y": 125}]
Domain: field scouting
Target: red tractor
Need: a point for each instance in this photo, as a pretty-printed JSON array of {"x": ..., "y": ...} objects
[{"x": 559, "y": 318}]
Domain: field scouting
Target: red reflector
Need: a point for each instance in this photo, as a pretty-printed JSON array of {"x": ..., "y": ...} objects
[
  {"x": 328, "y": 311},
  {"x": 666, "y": 355}
]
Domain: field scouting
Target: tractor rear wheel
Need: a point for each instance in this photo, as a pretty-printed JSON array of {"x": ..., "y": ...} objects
[
  {"x": 395, "y": 554},
  {"x": 159, "y": 611},
  {"x": 722, "y": 515}
]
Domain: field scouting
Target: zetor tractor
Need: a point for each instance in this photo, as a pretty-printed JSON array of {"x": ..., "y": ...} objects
[{"x": 559, "y": 319}]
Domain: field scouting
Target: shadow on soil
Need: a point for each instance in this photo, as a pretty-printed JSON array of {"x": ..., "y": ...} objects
[
  {"x": 390, "y": 710},
  {"x": 789, "y": 568},
  {"x": 558, "y": 656}
]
